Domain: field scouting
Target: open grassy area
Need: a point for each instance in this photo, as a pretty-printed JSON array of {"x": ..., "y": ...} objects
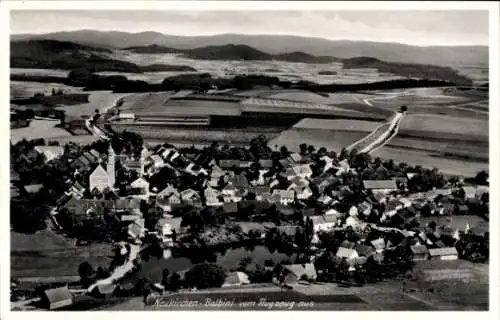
[
  {"x": 334, "y": 124},
  {"x": 39, "y": 129},
  {"x": 26, "y": 89},
  {"x": 100, "y": 100},
  {"x": 330, "y": 139},
  {"x": 45, "y": 254},
  {"x": 444, "y": 127}
]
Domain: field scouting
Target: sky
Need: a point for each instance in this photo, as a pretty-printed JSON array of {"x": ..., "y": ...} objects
[{"x": 424, "y": 28}]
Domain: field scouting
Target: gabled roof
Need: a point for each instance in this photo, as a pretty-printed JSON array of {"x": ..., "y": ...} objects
[
  {"x": 378, "y": 244},
  {"x": 300, "y": 270},
  {"x": 99, "y": 171},
  {"x": 33, "y": 188},
  {"x": 59, "y": 294},
  {"x": 363, "y": 250},
  {"x": 443, "y": 251},
  {"x": 266, "y": 163},
  {"x": 419, "y": 249},
  {"x": 380, "y": 184},
  {"x": 236, "y": 277},
  {"x": 230, "y": 207},
  {"x": 345, "y": 253}
]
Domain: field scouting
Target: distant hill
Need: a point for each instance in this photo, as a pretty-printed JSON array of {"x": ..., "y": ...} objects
[
  {"x": 153, "y": 49},
  {"x": 407, "y": 70},
  {"x": 53, "y": 54},
  {"x": 280, "y": 44}
]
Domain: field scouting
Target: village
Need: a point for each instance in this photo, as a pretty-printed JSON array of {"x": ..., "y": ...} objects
[{"x": 345, "y": 218}]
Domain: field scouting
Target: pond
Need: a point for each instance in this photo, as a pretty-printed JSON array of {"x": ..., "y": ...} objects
[{"x": 152, "y": 267}]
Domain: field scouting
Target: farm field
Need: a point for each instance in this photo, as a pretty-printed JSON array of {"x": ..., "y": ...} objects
[
  {"x": 330, "y": 139},
  {"x": 26, "y": 89},
  {"x": 428, "y": 160},
  {"x": 100, "y": 100},
  {"x": 340, "y": 125},
  {"x": 39, "y": 129},
  {"x": 79, "y": 139},
  {"x": 476, "y": 150},
  {"x": 444, "y": 127},
  {"x": 40, "y": 255},
  {"x": 39, "y": 72},
  {"x": 150, "y": 77},
  {"x": 198, "y": 136}
]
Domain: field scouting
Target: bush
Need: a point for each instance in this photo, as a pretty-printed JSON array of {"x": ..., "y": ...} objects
[{"x": 206, "y": 275}]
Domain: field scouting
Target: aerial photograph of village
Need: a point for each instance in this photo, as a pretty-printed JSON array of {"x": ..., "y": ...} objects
[{"x": 249, "y": 160}]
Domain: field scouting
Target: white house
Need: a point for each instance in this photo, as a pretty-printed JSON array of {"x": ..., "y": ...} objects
[
  {"x": 324, "y": 223},
  {"x": 383, "y": 186},
  {"x": 229, "y": 190},
  {"x": 347, "y": 253},
  {"x": 50, "y": 152},
  {"x": 449, "y": 253},
  {"x": 286, "y": 196},
  {"x": 303, "y": 171}
]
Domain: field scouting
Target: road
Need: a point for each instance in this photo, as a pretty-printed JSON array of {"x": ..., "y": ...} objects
[
  {"x": 378, "y": 137},
  {"x": 120, "y": 271}
]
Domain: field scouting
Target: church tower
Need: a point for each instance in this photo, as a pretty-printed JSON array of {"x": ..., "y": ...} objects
[
  {"x": 111, "y": 166},
  {"x": 142, "y": 160}
]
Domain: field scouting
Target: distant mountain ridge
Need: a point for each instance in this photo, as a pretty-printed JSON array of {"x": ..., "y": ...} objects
[
  {"x": 232, "y": 52},
  {"x": 279, "y": 44},
  {"x": 53, "y": 54}
]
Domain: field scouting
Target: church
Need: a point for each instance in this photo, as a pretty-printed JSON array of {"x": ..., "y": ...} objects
[{"x": 101, "y": 178}]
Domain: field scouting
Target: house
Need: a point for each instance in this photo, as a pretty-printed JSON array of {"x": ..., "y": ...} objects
[
  {"x": 292, "y": 273},
  {"x": 324, "y": 223},
  {"x": 212, "y": 196},
  {"x": 325, "y": 199},
  {"x": 259, "y": 191},
  {"x": 266, "y": 163},
  {"x": 239, "y": 181},
  {"x": 56, "y": 298},
  {"x": 167, "y": 192},
  {"x": 136, "y": 229},
  {"x": 236, "y": 278},
  {"x": 420, "y": 252},
  {"x": 364, "y": 251},
  {"x": 303, "y": 171},
  {"x": 365, "y": 208},
  {"x": 347, "y": 253},
  {"x": 303, "y": 193},
  {"x": 157, "y": 161},
  {"x": 189, "y": 194},
  {"x": 99, "y": 179},
  {"x": 104, "y": 291},
  {"x": 383, "y": 186},
  {"x": 140, "y": 183},
  {"x": 33, "y": 188},
  {"x": 50, "y": 152},
  {"x": 378, "y": 244},
  {"x": 448, "y": 253},
  {"x": 286, "y": 196},
  {"x": 294, "y": 157},
  {"x": 229, "y": 190},
  {"x": 229, "y": 163},
  {"x": 230, "y": 208}
]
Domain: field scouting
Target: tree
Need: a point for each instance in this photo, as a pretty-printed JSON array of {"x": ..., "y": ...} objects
[
  {"x": 244, "y": 262},
  {"x": 482, "y": 178},
  {"x": 206, "y": 275},
  {"x": 303, "y": 148},
  {"x": 164, "y": 279},
  {"x": 309, "y": 230},
  {"x": 174, "y": 282},
  {"x": 85, "y": 271}
]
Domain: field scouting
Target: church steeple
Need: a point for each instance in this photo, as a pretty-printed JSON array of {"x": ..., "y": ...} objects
[{"x": 111, "y": 166}]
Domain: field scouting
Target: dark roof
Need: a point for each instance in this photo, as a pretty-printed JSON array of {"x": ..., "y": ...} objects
[
  {"x": 266, "y": 163},
  {"x": 230, "y": 207},
  {"x": 379, "y": 184},
  {"x": 364, "y": 250},
  {"x": 419, "y": 249},
  {"x": 239, "y": 181}
]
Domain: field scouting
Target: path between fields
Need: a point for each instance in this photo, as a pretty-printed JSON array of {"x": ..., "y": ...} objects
[{"x": 119, "y": 271}]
